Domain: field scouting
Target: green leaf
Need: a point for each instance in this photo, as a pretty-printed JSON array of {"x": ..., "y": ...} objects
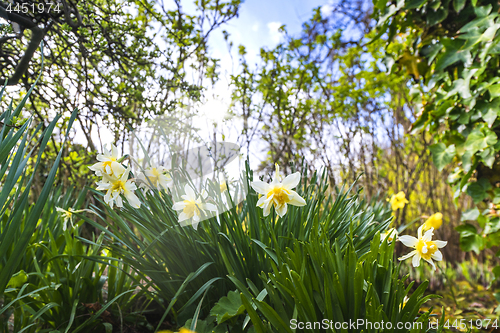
[
  {"x": 469, "y": 239},
  {"x": 452, "y": 54},
  {"x": 458, "y": 5},
  {"x": 228, "y": 307},
  {"x": 442, "y": 155},
  {"x": 467, "y": 160},
  {"x": 477, "y": 190},
  {"x": 488, "y": 157},
  {"x": 494, "y": 90},
  {"x": 480, "y": 138},
  {"x": 414, "y": 4},
  {"x": 18, "y": 279},
  {"x": 470, "y": 215}
]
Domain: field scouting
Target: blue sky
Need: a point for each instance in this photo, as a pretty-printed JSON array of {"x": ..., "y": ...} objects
[{"x": 258, "y": 23}]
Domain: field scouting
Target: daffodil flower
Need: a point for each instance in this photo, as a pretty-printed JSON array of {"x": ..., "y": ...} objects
[
  {"x": 390, "y": 235},
  {"x": 278, "y": 193},
  {"x": 425, "y": 247},
  {"x": 115, "y": 186},
  {"x": 434, "y": 221},
  {"x": 108, "y": 163},
  {"x": 398, "y": 201},
  {"x": 192, "y": 206},
  {"x": 156, "y": 175},
  {"x": 67, "y": 215},
  {"x": 223, "y": 187}
]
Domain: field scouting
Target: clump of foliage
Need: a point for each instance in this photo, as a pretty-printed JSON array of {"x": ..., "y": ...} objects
[{"x": 452, "y": 50}]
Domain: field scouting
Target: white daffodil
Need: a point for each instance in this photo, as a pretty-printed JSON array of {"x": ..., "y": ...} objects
[
  {"x": 67, "y": 215},
  {"x": 108, "y": 163},
  {"x": 390, "y": 234},
  {"x": 425, "y": 247},
  {"x": 116, "y": 186},
  {"x": 192, "y": 206},
  {"x": 223, "y": 187},
  {"x": 156, "y": 175},
  {"x": 278, "y": 193}
]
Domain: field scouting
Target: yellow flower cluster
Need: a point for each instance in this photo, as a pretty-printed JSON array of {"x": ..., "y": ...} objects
[{"x": 423, "y": 246}]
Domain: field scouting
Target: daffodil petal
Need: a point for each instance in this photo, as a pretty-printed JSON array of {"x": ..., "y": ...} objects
[
  {"x": 409, "y": 255},
  {"x": 183, "y": 216},
  {"x": 291, "y": 181},
  {"x": 179, "y": 205},
  {"x": 409, "y": 241},
  {"x": 416, "y": 259},
  {"x": 440, "y": 244},
  {"x": 267, "y": 207},
  {"x": 428, "y": 235},
  {"x": 431, "y": 262},
  {"x": 281, "y": 210},
  {"x": 438, "y": 256},
  {"x": 191, "y": 195},
  {"x": 260, "y": 187},
  {"x": 261, "y": 201},
  {"x": 210, "y": 207},
  {"x": 133, "y": 200},
  {"x": 296, "y": 199}
]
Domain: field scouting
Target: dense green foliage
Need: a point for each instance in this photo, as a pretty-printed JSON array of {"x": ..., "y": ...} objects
[{"x": 452, "y": 50}]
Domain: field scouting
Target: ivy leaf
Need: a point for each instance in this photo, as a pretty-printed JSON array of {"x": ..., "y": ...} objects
[
  {"x": 470, "y": 215},
  {"x": 480, "y": 138},
  {"x": 414, "y": 4},
  {"x": 494, "y": 90},
  {"x": 453, "y": 54},
  {"x": 488, "y": 157},
  {"x": 458, "y": 5},
  {"x": 442, "y": 155},
  {"x": 469, "y": 239},
  {"x": 228, "y": 307},
  {"x": 477, "y": 190},
  {"x": 467, "y": 160}
]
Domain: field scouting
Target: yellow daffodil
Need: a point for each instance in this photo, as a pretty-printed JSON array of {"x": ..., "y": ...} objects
[
  {"x": 390, "y": 234},
  {"x": 192, "y": 206},
  {"x": 223, "y": 187},
  {"x": 108, "y": 163},
  {"x": 157, "y": 176},
  {"x": 398, "y": 201},
  {"x": 434, "y": 221},
  {"x": 115, "y": 186},
  {"x": 425, "y": 247},
  {"x": 278, "y": 193}
]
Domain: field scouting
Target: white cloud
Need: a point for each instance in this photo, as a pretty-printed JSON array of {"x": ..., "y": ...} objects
[
  {"x": 256, "y": 26},
  {"x": 274, "y": 32}
]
